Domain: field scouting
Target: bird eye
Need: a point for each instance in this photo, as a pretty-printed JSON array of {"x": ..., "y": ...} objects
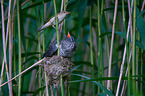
[{"x": 72, "y": 39}]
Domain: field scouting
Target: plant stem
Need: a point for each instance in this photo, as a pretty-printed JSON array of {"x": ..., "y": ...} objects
[
  {"x": 91, "y": 50},
  {"x": 125, "y": 50},
  {"x": 40, "y": 70},
  {"x": 44, "y": 7},
  {"x": 35, "y": 64},
  {"x": 99, "y": 45},
  {"x": 142, "y": 63},
  {"x": 62, "y": 88},
  {"x": 102, "y": 63},
  {"x": 19, "y": 46},
  {"x": 57, "y": 32},
  {"x": 111, "y": 49},
  {"x": 64, "y": 24},
  {"x": 134, "y": 47},
  {"x": 4, "y": 48},
  {"x": 129, "y": 27},
  {"x": 56, "y": 22},
  {"x": 46, "y": 84},
  {"x": 141, "y": 66},
  {"x": 39, "y": 56},
  {"x": 10, "y": 45}
]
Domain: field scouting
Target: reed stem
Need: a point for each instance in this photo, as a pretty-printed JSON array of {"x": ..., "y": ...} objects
[
  {"x": 19, "y": 47},
  {"x": 56, "y": 22},
  {"x": 125, "y": 50},
  {"x": 134, "y": 47},
  {"x": 111, "y": 49},
  {"x": 57, "y": 32},
  {"x": 99, "y": 45},
  {"x": 91, "y": 50}
]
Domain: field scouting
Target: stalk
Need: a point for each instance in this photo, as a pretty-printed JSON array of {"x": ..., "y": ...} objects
[
  {"x": 14, "y": 45},
  {"x": 64, "y": 19},
  {"x": 39, "y": 56},
  {"x": 99, "y": 45},
  {"x": 10, "y": 45},
  {"x": 60, "y": 25},
  {"x": 141, "y": 56},
  {"x": 40, "y": 70},
  {"x": 57, "y": 32},
  {"x": 106, "y": 37},
  {"x": 143, "y": 5},
  {"x": 102, "y": 64},
  {"x": 13, "y": 34},
  {"x": 112, "y": 40},
  {"x": 129, "y": 26},
  {"x": 137, "y": 64},
  {"x": 19, "y": 47},
  {"x": 44, "y": 14},
  {"x": 91, "y": 50},
  {"x": 125, "y": 50},
  {"x": 134, "y": 47},
  {"x": 44, "y": 5},
  {"x": 4, "y": 48},
  {"x": 141, "y": 85},
  {"x": 62, "y": 88},
  {"x": 14, "y": 62},
  {"x": 35, "y": 64},
  {"x": 54, "y": 4}
]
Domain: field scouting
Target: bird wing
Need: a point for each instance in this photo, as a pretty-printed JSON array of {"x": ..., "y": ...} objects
[
  {"x": 52, "y": 49},
  {"x": 49, "y": 23}
]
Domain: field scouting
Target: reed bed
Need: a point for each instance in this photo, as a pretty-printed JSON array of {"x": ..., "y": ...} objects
[{"x": 109, "y": 58}]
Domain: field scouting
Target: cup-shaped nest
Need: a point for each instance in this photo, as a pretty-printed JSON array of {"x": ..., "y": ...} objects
[{"x": 55, "y": 67}]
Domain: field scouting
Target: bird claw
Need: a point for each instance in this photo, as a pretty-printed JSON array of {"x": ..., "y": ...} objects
[{"x": 53, "y": 26}]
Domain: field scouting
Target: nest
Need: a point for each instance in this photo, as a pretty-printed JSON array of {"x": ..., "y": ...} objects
[{"x": 55, "y": 67}]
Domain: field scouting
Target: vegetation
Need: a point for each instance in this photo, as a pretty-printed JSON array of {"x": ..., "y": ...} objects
[{"x": 109, "y": 59}]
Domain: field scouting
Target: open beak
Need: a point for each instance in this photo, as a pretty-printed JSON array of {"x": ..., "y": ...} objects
[
  {"x": 68, "y": 35},
  {"x": 67, "y": 12}
]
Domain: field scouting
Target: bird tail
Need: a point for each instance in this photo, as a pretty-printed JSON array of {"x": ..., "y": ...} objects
[
  {"x": 45, "y": 26},
  {"x": 40, "y": 29}
]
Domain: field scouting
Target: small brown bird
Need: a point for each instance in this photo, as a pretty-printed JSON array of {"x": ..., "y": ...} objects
[{"x": 51, "y": 22}]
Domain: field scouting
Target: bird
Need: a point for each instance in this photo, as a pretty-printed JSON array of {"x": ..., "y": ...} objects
[
  {"x": 51, "y": 21},
  {"x": 67, "y": 47}
]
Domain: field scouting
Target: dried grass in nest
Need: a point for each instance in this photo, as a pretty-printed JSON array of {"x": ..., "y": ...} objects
[{"x": 55, "y": 67}]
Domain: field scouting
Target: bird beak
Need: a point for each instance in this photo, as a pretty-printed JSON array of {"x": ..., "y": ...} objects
[
  {"x": 68, "y": 35},
  {"x": 67, "y": 12}
]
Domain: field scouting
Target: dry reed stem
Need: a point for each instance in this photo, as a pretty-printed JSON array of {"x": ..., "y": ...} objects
[
  {"x": 124, "y": 54},
  {"x": 60, "y": 25},
  {"x": 130, "y": 16},
  {"x": 3, "y": 58},
  {"x": 23, "y": 72},
  {"x": 143, "y": 5},
  {"x": 2, "y": 70},
  {"x": 24, "y": 2},
  {"x": 9, "y": 27},
  {"x": 13, "y": 16},
  {"x": 112, "y": 40},
  {"x": 124, "y": 84},
  {"x": 4, "y": 45}
]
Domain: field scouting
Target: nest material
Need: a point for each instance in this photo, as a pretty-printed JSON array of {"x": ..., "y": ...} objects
[{"x": 55, "y": 67}]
